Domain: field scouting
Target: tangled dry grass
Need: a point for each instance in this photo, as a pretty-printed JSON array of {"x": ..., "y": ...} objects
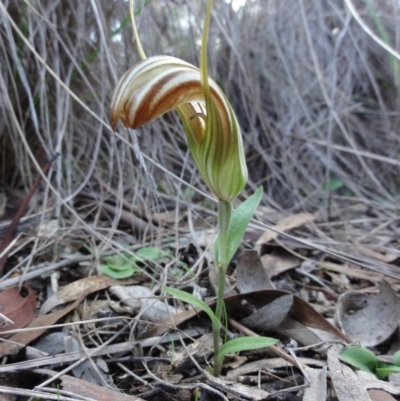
[{"x": 317, "y": 98}]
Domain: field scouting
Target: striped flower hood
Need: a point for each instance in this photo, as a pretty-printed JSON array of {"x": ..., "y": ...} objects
[{"x": 159, "y": 84}]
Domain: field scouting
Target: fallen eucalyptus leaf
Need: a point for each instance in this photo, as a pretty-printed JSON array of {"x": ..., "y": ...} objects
[
  {"x": 369, "y": 319},
  {"x": 251, "y": 274},
  {"x": 18, "y": 306},
  {"x": 142, "y": 300},
  {"x": 270, "y": 316},
  {"x": 77, "y": 289},
  {"x": 38, "y": 326},
  {"x": 286, "y": 224}
]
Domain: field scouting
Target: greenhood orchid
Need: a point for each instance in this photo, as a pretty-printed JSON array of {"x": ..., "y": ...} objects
[{"x": 161, "y": 83}]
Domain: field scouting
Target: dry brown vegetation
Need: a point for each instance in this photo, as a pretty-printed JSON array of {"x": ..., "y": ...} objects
[{"x": 317, "y": 98}]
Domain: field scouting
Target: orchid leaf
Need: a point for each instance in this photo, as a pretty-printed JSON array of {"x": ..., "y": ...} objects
[
  {"x": 245, "y": 344},
  {"x": 239, "y": 221},
  {"x": 195, "y": 302},
  {"x": 360, "y": 357},
  {"x": 396, "y": 358},
  {"x": 385, "y": 369}
]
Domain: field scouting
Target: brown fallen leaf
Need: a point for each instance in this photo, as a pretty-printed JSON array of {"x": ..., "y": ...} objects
[
  {"x": 286, "y": 224},
  {"x": 17, "y": 305},
  {"x": 93, "y": 391},
  {"x": 77, "y": 289},
  {"x": 38, "y": 326},
  {"x": 278, "y": 262},
  {"x": 379, "y": 395}
]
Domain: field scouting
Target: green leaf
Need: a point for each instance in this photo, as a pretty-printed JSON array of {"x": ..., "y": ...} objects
[
  {"x": 333, "y": 184},
  {"x": 384, "y": 371},
  {"x": 152, "y": 253},
  {"x": 239, "y": 221},
  {"x": 196, "y": 303},
  {"x": 360, "y": 357},
  {"x": 124, "y": 265},
  {"x": 118, "y": 273},
  {"x": 396, "y": 358},
  {"x": 245, "y": 344}
]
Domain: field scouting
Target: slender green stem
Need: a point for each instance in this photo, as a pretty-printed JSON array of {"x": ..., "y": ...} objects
[
  {"x": 224, "y": 217},
  {"x": 224, "y": 207}
]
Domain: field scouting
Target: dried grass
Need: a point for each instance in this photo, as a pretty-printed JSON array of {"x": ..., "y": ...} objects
[{"x": 317, "y": 98}]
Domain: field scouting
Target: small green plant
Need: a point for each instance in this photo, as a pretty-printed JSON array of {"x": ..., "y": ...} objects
[
  {"x": 365, "y": 360},
  {"x": 125, "y": 264},
  {"x": 334, "y": 184},
  {"x": 161, "y": 83}
]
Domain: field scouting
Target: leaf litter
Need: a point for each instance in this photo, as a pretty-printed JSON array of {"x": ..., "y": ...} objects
[{"x": 329, "y": 232}]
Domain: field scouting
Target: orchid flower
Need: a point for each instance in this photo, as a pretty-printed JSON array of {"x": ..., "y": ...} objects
[{"x": 161, "y": 83}]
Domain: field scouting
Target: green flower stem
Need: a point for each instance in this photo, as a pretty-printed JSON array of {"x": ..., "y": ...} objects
[{"x": 224, "y": 218}]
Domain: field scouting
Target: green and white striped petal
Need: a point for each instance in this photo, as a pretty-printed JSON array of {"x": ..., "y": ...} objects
[{"x": 161, "y": 83}]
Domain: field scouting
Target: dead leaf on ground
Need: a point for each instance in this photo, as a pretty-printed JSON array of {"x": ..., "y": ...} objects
[
  {"x": 141, "y": 299},
  {"x": 38, "y": 326},
  {"x": 369, "y": 318},
  {"x": 346, "y": 384},
  {"x": 17, "y": 305},
  {"x": 370, "y": 381},
  {"x": 200, "y": 349},
  {"x": 301, "y": 311},
  {"x": 352, "y": 270},
  {"x": 278, "y": 262},
  {"x": 379, "y": 395},
  {"x": 291, "y": 328},
  {"x": 92, "y": 371},
  {"x": 316, "y": 391},
  {"x": 251, "y": 274},
  {"x": 270, "y": 316},
  {"x": 286, "y": 224},
  {"x": 245, "y": 304},
  {"x": 51, "y": 344},
  {"x": 93, "y": 391},
  {"x": 77, "y": 289}
]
